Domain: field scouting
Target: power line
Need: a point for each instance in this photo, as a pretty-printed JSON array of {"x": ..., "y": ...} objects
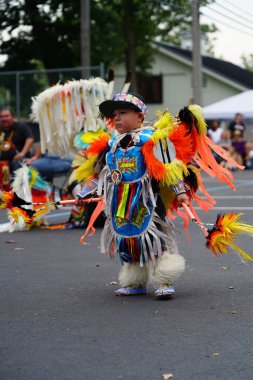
[
  {"x": 234, "y": 13},
  {"x": 238, "y": 8},
  {"x": 230, "y": 18},
  {"x": 228, "y": 25}
]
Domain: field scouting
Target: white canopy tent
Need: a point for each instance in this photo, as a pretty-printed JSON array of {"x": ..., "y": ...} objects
[{"x": 227, "y": 108}]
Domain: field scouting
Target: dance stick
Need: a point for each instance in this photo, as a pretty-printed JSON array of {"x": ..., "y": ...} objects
[
  {"x": 194, "y": 220},
  {"x": 73, "y": 201}
]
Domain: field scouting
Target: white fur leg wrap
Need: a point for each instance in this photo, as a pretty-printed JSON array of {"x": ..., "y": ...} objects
[
  {"x": 166, "y": 269},
  {"x": 133, "y": 275}
]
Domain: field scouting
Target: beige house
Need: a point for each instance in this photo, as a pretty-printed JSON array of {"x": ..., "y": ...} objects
[{"x": 169, "y": 84}]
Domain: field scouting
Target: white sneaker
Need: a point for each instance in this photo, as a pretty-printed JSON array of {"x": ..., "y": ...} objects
[{"x": 165, "y": 291}]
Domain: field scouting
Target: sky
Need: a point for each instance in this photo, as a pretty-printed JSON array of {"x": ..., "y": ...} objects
[{"x": 234, "y": 19}]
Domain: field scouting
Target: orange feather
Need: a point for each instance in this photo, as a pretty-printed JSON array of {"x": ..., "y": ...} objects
[
  {"x": 97, "y": 146},
  {"x": 155, "y": 168},
  {"x": 184, "y": 143}
]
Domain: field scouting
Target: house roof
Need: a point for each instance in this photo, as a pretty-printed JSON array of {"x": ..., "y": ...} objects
[{"x": 218, "y": 66}]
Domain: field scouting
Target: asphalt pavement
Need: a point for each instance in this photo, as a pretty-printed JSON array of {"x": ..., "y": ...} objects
[{"x": 60, "y": 320}]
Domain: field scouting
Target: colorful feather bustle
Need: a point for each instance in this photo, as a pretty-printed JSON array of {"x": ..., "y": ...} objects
[
  {"x": 21, "y": 216},
  {"x": 10, "y": 199},
  {"x": 6, "y": 198},
  {"x": 96, "y": 146},
  {"x": 169, "y": 173},
  {"x": 187, "y": 133}
]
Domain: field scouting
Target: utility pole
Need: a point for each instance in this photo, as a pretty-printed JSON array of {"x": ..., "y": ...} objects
[
  {"x": 85, "y": 38},
  {"x": 196, "y": 54}
]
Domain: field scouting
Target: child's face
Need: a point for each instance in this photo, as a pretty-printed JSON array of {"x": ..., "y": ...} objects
[{"x": 126, "y": 120}]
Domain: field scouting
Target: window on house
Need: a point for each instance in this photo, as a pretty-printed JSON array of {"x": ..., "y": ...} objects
[{"x": 151, "y": 88}]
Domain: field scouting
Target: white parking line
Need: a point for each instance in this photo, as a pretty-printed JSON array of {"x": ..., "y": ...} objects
[
  {"x": 233, "y": 197},
  {"x": 231, "y": 208},
  {"x": 226, "y": 187}
]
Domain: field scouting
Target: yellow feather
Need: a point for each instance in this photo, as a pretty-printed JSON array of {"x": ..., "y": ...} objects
[
  {"x": 244, "y": 254},
  {"x": 164, "y": 126},
  {"x": 33, "y": 176},
  {"x": 228, "y": 226},
  {"x": 86, "y": 169},
  {"x": 231, "y": 224},
  {"x": 221, "y": 243},
  {"x": 159, "y": 134},
  {"x": 164, "y": 120},
  {"x": 77, "y": 162},
  {"x": 89, "y": 137},
  {"x": 197, "y": 111},
  {"x": 43, "y": 210},
  {"x": 175, "y": 172}
]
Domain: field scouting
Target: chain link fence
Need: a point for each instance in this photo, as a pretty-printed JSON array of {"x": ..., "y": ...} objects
[{"x": 18, "y": 87}]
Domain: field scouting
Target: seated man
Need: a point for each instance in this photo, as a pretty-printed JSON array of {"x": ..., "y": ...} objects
[
  {"x": 49, "y": 166},
  {"x": 16, "y": 139}
]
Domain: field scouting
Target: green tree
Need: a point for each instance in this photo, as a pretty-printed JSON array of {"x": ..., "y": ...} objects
[
  {"x": 47, "y": 32},
  {"x": 130, "y": 27},
  {"x": 247, "y": 62}
]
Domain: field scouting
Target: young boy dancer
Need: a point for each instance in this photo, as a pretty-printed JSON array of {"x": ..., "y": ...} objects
[{"x": 137, "y": 229}]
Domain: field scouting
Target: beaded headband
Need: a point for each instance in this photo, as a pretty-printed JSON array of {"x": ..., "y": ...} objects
[{"x": 129, "y": 98}]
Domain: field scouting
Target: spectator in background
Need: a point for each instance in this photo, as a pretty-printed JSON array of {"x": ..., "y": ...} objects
[
  {"x": 237, "y": 125},
  {"x": 239, "y": 148},
  {"x": 215, "y": 132},
  {"x": 16, "y": 139}
]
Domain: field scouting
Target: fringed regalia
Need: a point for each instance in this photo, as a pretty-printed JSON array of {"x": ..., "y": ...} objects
[
  {"x": 137, "y": 227},
  {"x": 139, "y": 175}
]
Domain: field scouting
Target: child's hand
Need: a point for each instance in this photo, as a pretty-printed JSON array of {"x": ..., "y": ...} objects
[
  {"x": 78, "y": 201},
  {"x": 182, "y": 198}
]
